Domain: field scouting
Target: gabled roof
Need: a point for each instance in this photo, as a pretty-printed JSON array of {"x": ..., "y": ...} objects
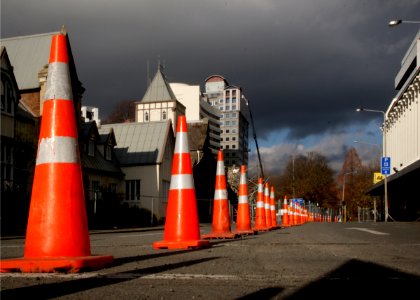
[
  {"x": 7, "y": 67},
  {"x": 96, "y": 163},
  {"x": 29, "y": 55},
  {"x": 140, "y": 143},
  {"x": 159, "y": 89},
  {"x": 86, "y": 130},
  {"x": 106, "y": 136}
]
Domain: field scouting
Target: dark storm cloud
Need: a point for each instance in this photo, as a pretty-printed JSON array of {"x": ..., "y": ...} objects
[{"x": 304, "y": 65}]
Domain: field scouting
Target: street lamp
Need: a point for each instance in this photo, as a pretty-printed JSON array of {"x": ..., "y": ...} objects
[
  {"x": 394, "y": 23},
  {"x": 342, "y": 198},
  {"x": 383, "y": 153}
]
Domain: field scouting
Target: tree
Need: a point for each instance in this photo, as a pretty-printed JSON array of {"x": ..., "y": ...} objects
[
  {"x": 357, "y": 178},
  {"x": 122, "y": 112},
  {"x": 309, "y": 177}
]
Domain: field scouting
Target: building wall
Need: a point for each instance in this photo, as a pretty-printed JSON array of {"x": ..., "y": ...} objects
[
  {"x": 189, "y": 96},
  {"x": 233, "y": 119},
  {"x": 154, "y": 186},
  {"x": 403, "y": 127},
  {"x": 155, "y": 111}
]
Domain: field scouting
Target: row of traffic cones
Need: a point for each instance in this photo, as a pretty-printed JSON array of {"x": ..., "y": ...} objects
[{"x": 57, "y": 238}]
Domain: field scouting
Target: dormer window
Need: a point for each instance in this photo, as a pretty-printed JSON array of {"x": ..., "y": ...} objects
[
  {"x": 146, "y": 116},
  {"x": 164, "y": 115}
]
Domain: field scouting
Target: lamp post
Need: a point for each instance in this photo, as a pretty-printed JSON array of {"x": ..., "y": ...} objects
[
  {"x": 384, "y": 154},
  {"x": 394, "y": 23}
]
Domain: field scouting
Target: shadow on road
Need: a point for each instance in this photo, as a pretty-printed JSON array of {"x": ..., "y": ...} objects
[
  {"x": 266, "y": 293},
  {"x": 353, "y": 280},
  {"x": 53, "y": 290}
]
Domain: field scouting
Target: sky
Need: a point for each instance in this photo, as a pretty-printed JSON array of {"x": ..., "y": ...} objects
[{"x": 304, "y": 65}]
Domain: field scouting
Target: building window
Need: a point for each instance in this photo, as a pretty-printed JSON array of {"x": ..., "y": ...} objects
[
  {"x": 220, "y": 107},
  {"x": 164, "y": 115},
  {"x": 146, "y": 116},
  {"x": 91, "y": 147},
  {"x": 233, "y": 107},
  {"x": 227, "y": 139},
  {"x": 6, "y": 166},
  {"x": 227, "y": 100},
  {"x": 233, "y": 100},
  {"x": 220, "y": 100},
  {"x": 227, "y": 123},
  {"x": 227, "y": 107},
  {"x": 233, "y": 123},
  {"x": 227, "y": 147},
  {"x": 132, "y": 190},
  {"x": 234, "y": 115},
  {"x": 227, "y": 116},
  {"x": 7, "y": 97},
  {"x": 227, "y": 131},
  {"x": 233, "y": 146},
  {"x": 234, "y": 138}
]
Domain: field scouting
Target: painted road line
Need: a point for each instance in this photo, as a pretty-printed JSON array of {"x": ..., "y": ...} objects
[{"x": 368, "y": 230}]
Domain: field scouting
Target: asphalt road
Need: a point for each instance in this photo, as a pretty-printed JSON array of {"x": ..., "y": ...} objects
[{"x": 312, "y": 261}]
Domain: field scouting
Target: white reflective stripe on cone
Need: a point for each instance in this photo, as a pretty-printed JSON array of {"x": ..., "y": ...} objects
[
  {"x": 181, "y": 143},
  {"x": 243, "y": 179},
  {"x": 260, "y": 204},
  {"x": 266, "y": 206},
  {"x": 260, "y": 188},
  {"x": 57, "y": 149},
  {"x": 58, "y": 82},
  {"x": 273, "y": 207},
  {"x": 220, "y": 168},
  {"x": 181, "y": 181},
  {"x": 243, "y": 199},
  {"x": 220, "y": 195}
]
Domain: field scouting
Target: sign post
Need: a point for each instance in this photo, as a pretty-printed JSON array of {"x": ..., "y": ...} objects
[{"x": 386, "y": 165}]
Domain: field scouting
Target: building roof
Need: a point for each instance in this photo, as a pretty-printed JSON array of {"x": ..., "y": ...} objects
[
  {"x": 96, "y": 163},
  {"x": 28, "y": 55},
  {"x": 197, "y": 137},
  {"x": 216, "y": 78},
  {"x": 140, "y": 143},
  {"x": 159, "y": 89},
  {"x": 7, "y": 67}
]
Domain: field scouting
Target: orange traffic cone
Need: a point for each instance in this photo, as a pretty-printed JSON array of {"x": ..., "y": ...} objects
[
  {"x": 267, "y": 206},
  {"x": 285, "y": 218},
  {"x": 57, "y": 237},
  {"x": 273, "y": 208},
  {"x": 182, "y": 228},
  {"x": 243, "y": 219},
  {"x": 221, "y": 218},
  {"x": 260, "y": 223}
]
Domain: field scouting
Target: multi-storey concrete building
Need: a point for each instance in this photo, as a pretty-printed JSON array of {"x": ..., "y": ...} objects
[
  {"x": 197, "y": 109},
  {"x": 402, "y": 140},
  {"x": 234, "y": 118}
]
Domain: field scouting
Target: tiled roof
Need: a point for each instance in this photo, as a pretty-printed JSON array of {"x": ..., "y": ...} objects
[{"x": 140, "y": 143}]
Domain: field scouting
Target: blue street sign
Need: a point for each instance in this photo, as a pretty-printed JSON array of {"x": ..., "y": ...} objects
[{"x": 386, "y": 165}]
